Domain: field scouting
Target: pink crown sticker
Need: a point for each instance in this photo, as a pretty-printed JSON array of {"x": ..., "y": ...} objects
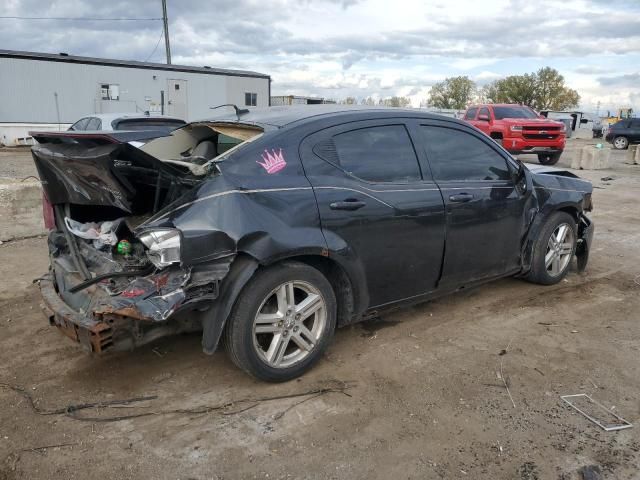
[{"x": 273, "y": 162}]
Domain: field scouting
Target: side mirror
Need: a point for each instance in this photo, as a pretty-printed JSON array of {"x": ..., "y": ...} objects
[
  {"x": 483, "y": 118},
  {"x": 519, "y": 175}
]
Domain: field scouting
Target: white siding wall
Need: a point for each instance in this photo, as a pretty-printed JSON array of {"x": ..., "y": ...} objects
[{"x": 27, "y": 90}]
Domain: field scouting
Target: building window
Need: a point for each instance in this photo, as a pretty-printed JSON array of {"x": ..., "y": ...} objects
[
  {"x": 109, "y": 91},
  {"x": 251, "y": 99}
]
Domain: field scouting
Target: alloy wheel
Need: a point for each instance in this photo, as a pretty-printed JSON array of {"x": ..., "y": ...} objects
[
  {"x": 620, "y": 143},
  {"x": 559, "y": 250},
  {"x": 289, "y": 324}
]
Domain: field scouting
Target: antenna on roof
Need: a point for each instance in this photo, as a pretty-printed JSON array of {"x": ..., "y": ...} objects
[{"x": 239, "y": 111}]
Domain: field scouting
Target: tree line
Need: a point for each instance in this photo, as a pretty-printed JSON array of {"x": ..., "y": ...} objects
[{"x": 541, "y": 90}]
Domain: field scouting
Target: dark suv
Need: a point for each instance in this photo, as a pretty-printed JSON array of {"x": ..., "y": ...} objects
[
  {"x": 624, "y": 132},
  {"x": 270, "y": 228}
]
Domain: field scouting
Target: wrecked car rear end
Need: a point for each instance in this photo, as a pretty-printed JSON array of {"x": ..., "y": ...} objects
[{"x": 117, "y": 280}]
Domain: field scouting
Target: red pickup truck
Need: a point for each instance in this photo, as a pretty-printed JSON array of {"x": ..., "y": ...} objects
[{"x": 520, "y": 130}]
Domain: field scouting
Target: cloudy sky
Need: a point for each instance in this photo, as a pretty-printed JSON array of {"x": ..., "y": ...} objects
[{"x": 339, "y": 48}]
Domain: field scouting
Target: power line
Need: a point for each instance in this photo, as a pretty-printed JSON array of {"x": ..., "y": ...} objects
[
  {"x": 87, "y": 19},
  {"x": 156, "y": 47}
]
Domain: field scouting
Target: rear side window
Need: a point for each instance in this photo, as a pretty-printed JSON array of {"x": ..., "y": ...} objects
[
  {"x": 94, "y": 124},
  {"x": 457, "y": 155},
  {"x": 378, "y": 154},
  {"x": 80, "y": 124},
  {"x": 471, "y": 113}
]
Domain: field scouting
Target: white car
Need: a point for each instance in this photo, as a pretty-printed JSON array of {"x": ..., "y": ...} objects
[{"x": 109, "y": 122}]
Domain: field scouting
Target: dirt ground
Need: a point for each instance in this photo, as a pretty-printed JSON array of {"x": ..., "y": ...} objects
[{"x": 416, "y": 394}]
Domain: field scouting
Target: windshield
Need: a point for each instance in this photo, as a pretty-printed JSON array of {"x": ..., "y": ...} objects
[{"x": 513, "y": 112}]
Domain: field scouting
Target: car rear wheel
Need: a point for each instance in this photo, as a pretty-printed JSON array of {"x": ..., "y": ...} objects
[
  {"x": 620, "y": 143},
  {"x": 282, "y": 322},
  {"x": 553, "y": 249},
  {"x": 549, "y": 158}
]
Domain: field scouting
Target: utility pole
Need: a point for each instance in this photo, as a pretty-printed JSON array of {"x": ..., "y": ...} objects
[{"x": 165, "y": 20}]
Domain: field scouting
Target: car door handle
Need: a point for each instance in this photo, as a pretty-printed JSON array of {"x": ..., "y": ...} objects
[
  {"x": 348, "y": 204},
  {"x": 461, "y": 197}
]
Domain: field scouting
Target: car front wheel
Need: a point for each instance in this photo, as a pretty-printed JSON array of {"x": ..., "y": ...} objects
[
  {"x": 553, "y": 249},
  {"x": 620, "y": 143},
  {"x": 282, "y": 322}
]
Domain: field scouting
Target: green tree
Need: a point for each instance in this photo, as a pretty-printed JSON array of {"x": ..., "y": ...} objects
[
  {"x": 453, "y": 92},
  {"x": 541, "y": 90},
  {"x": 401, "y": 102},
  {"x": 349, "y": 101}
]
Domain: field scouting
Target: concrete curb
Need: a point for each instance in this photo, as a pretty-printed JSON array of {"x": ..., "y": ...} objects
[{"x": 20, "y": 210}]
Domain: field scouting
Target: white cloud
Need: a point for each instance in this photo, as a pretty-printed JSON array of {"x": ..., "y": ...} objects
[{"x": 358, "y": 47}]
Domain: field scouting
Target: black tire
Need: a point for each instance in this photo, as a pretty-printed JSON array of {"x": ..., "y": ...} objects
[
  {"x": 239, "y": 330},
  {"x": 549, "y": 158},
  {"x": 539, "y": 272},
  {"x": 620, "y": 142}
]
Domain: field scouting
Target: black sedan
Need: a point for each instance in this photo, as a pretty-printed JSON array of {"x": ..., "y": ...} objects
[{"x": 268, "y": 229}]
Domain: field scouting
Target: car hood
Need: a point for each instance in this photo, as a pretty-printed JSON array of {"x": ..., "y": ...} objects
[
  {"x": 552, "y": 177},
  {"x": 542, "y": 169},
  {"x": 532, "y": 122}
]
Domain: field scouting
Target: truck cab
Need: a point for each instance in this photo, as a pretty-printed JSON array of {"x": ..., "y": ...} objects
[{"x": 520, "y": 130}]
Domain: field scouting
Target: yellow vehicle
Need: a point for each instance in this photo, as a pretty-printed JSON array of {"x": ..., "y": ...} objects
[{"x": 623, "y": 113}]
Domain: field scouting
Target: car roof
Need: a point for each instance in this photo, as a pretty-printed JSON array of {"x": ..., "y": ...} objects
[{"x": 282, "y": 116}]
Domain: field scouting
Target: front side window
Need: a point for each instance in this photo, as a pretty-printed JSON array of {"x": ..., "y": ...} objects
[
  {"x": 251, "y": 99},
  {"x": 484, "y": 111},
  {"x": 378, "y": 154},
  {"x": 455, "y": 155},
  {"x": 471, "y": 113}
]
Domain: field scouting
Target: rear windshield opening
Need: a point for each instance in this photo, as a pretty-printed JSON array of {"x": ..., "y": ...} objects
[{"x": 200, "y": 143}]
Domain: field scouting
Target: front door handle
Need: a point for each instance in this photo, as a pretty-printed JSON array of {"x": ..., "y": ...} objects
[
  {"x": 461, "y": 197},
  {"x": 348, "y": 204}
]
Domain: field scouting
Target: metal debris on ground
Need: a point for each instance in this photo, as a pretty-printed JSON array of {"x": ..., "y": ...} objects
[
  {"x": 226, "y": 408},
  {"x": 590, "y": 408}
]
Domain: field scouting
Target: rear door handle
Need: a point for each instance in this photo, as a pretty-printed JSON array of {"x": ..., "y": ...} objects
[
  {"x": 461, "y": 197},
  {"x": 348, "y": 204}
]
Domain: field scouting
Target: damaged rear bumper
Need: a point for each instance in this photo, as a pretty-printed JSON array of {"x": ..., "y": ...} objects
[
  {"x": 94, "y": 336},
  {"x": 145, "y": 311}
]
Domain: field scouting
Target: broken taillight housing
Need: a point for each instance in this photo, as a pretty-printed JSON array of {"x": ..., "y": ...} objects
[{"x": 163, "y": 246}]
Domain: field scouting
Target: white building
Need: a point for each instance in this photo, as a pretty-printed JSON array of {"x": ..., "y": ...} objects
[{"x": 51, "y": 91}]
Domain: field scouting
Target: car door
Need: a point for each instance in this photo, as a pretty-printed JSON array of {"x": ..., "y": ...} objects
[
  {"x": 486, "y": 216},
  {"x": 470, "y": 116},
  {"x": 376, "y": 210},
  {"x": 484, "y": 120},
  {"x": 634, "y": 134}
]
